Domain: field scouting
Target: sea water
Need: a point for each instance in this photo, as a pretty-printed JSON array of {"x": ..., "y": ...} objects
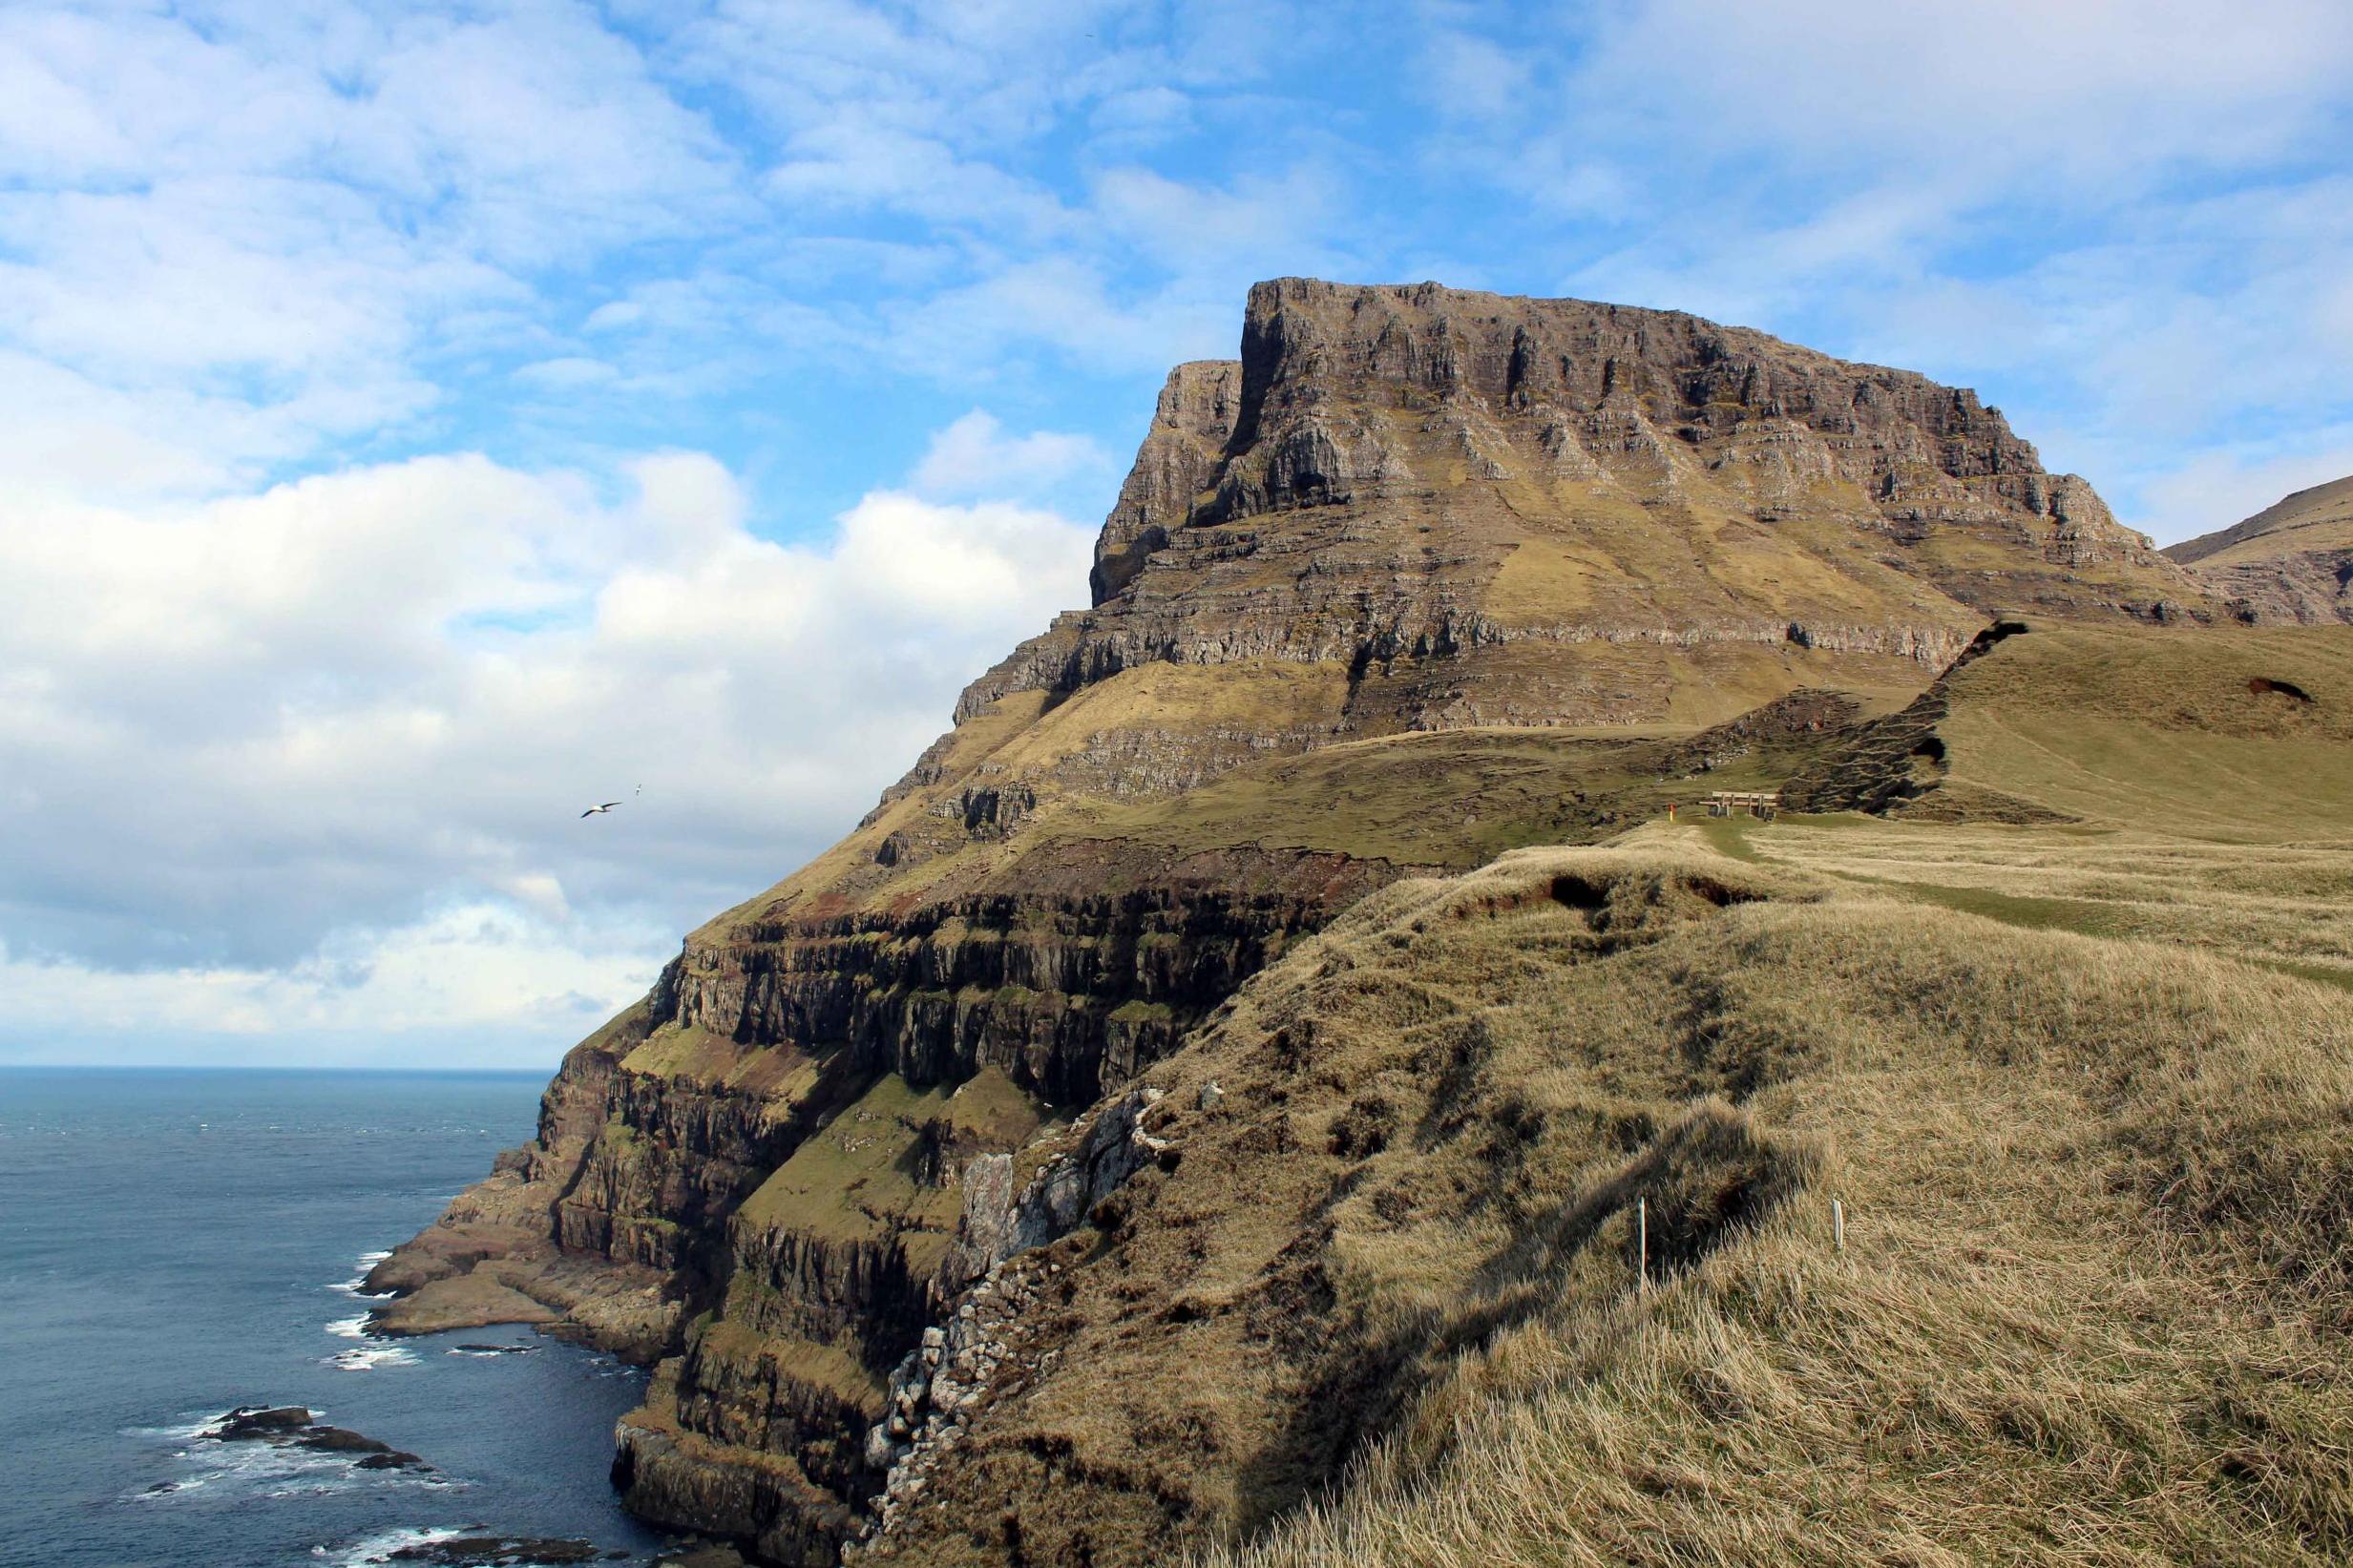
[{"x": 173, "y": 1243}]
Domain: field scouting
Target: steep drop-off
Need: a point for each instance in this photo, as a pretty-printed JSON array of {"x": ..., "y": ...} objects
[{"x": 1425, "y": 576}]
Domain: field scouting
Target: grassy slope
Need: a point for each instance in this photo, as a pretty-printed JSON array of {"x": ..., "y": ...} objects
[
  {"x": 855, "y": 1178},
  {"x": 2162, "y": 731},
  {"x": 2092, "y": 1306},
  {"x": 2093, "y": 1303},
  {"x": 2206, "y": 812}
]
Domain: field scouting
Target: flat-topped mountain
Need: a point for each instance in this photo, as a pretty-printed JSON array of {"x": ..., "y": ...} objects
[
  {"x": 1441, "y": 489},
  {"x": 1422, "y": 577},
  {"x": 2290, "y": 563}
]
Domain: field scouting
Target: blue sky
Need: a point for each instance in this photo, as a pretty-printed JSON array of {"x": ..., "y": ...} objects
[{"x": 417, "y": 420}]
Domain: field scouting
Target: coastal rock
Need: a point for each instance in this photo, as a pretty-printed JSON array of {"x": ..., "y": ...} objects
[
  {"x": 248, "y": 1423},
  {"x": 292, "y": 1425}
]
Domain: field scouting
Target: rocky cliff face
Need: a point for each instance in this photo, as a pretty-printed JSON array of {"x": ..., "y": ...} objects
[
  {"x": 1418, "y": 483},
  {"x": 1424, "y": 575}
]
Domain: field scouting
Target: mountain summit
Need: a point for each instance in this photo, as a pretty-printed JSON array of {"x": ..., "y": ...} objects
[
  {"x": 1443, "y": 490},
  {"x": 1423, "y": 576}
]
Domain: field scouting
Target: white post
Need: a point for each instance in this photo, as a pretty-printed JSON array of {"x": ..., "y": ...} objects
[
  {"x": 1642, "y": 1242},
  {"x": 1838, "y": 1225}
]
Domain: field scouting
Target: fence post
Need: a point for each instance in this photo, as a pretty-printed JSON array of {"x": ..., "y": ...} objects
[
  {"x": 1642, "y": 1243},
  {"x": 1838, "y": 1225}
]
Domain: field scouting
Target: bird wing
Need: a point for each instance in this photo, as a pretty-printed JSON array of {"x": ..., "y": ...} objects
[{"x": 591, "y": 811}]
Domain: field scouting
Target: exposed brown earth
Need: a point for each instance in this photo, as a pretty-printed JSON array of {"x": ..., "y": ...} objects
[{"x": 1425, "y": 576}]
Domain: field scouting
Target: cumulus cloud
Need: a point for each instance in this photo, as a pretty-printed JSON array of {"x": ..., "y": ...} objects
[
  {"x": 974, "y": 457},
  {"x": 259, "y": 744},
  {"x": 484, "y": 984},
  {"x": 257, "y": 225},
  {"x": 272, "y": 280}
]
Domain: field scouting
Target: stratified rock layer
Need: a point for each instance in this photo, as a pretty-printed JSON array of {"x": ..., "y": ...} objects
[
  {"x": 1424, "y": 575},
  {"x": 1416, "y": 481}
]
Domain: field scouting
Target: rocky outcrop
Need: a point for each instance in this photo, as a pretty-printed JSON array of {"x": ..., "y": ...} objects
[
  {"x": 1178, "y": 460},
  {"x": 1032, "y": 981},
  {"x": 1108, "y": 1146},
  {"x": 988, "y": 1287},
  {"x": 819, "y": 1174},
  {"x": 292, "y": 1425}
]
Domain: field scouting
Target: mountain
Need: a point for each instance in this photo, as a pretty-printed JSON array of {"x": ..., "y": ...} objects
[
  {"x": 1425, "y": 577},
  {"x": 2292, "y": 562}
]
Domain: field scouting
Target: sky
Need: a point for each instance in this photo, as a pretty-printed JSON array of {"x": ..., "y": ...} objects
[{"x": 420, "y": 422}]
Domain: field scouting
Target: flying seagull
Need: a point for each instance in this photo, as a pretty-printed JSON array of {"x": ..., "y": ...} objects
[{"x": 594, "y": 809}]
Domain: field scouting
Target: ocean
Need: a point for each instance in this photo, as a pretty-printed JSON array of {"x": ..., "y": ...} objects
[{"x": 177, "y": 1242}]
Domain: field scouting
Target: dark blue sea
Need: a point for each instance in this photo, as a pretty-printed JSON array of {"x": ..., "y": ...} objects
[{"x": 173, "y": 1243}]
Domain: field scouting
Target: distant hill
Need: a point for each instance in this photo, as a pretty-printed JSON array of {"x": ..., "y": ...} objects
[
  {"x": 2228, "y": 733},
  {"x": 2291, "y": 562}
]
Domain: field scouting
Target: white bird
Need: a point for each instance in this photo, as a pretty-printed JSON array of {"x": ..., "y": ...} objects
[{"x": 594, "y": 809}]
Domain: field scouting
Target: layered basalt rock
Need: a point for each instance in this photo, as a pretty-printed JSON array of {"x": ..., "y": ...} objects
[
  {"x": 1355, "y": 598},
  {"x": 1418, "y": 475}
]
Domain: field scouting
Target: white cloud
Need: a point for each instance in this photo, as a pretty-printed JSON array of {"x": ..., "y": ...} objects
[
  {"x": 851, "y": 164},
  {"x": 478, "y": 971},
  {"x": 974, "y": 457},
  {"x": 1471, "y": 77},
  {"x": 565, "y": 373},
  {"x": 264, "y": 740},
  {"x": 266, "y": 220},
  {"x": 1260, "y": 222},
  {"x": 2090, "y": 89},
  {"x": 1068, "y": 305}
]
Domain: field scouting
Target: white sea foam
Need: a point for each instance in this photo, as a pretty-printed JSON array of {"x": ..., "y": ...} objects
[
  {"x": 184, "y": 1433},
  {"x": 349, "y": 1327},
  {"x": 367, "y": 1358},
  {"x": 257, "y": 1468},
  {"x": 359, "y": 1277},
  {"x": 379, "y": 1547}
]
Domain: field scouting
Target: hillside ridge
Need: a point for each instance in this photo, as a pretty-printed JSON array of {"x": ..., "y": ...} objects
[{"x": 2289, "y": 564}]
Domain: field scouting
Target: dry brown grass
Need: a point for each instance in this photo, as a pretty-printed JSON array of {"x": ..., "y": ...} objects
[
  {"x": 2284, "y": 903},
  {"x": 1384, "y": 1310},
  {"x": 2092, "y": 1304}
]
